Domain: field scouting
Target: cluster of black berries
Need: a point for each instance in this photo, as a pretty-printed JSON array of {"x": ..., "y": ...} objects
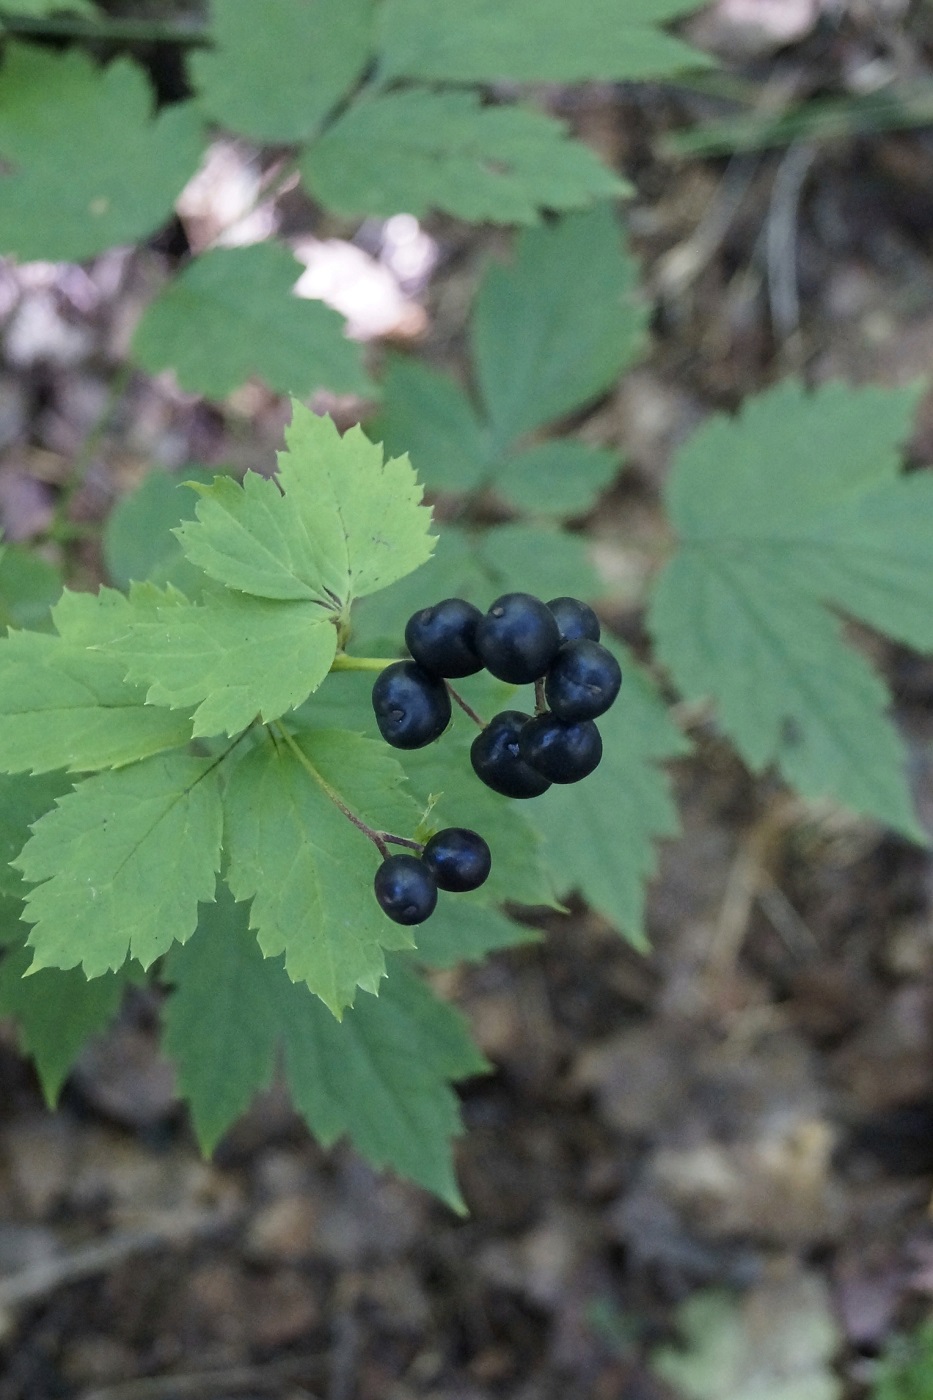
[
  {"x": 454, "y": 859},
  {"x": 521, "y": 640}
]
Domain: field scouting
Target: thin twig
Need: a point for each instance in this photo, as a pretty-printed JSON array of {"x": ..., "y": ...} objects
[
  {"x": 191, "y": 1385},
  {"x": 781, "y": 240},
  {"x": 466, "y": 708}
]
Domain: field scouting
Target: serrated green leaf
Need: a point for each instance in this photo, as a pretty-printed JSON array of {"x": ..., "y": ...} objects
[
  {"x": 28, "y": 588},
  {"x": 119, "y": 865},
  {"x": 427, "y": 415},
  {"x": 599, "y": 836},
  {"x": 463, "y": 930},
  {"x": 276, "y": 81},
  {"x": 560, "y": 477},
  {"x": 418, "y": 151},
  {"x": 347, "y": 524},
  {"x": 531, "y": 41},
  {"x": 56, "y": 1012},
  {"x": 89, "y": 166},
  {"x": 381, "y": 1075},
  {"x": 231, "y": 314},
  {"x": 232, "y": 657},
  {"x": 555, "y": 327},
  {"x": 307, "y": 869},
  {"x": 64, "y": 707},
  {"x": 23, "y": 800},
  {"x": 138, "y": 540},
  {"x": 793, "y": 505}
]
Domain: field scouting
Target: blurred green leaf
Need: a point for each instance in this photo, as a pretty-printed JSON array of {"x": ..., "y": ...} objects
[
  {"x": 231, "y": 314},
  {"x": 88, "y": 165},
  {"x": 138, "y": 540},
  {"x": 274, "y": 78}
]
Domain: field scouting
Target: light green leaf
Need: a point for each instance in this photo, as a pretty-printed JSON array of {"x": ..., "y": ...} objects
[
  {"x": 89, "y": 166},
  {"x": 531, "y": 41},
  {"x": 56, "y": 1012},
  {"x": 275, "y": 81},
  {"x": 120, "y": 864},
  {"x": 231, "y": 314},
  {"x": 556, "y": 326},
  {"x": 233, "y": 657},
  {"x": 23, "y": 800},
  {"x": 427, "y": 415},
  {"x": 307, "y": 869},
  {"x": 417, "y": 151},
  {"x": 64, "y": 707},
  {"x": 347, "y": 524},
  {"x": 138, "y": 539},
  {"x": 777, "y": 1343},
  {"x": 28, "y": 588},
  {"x": 793, "y": 505},
  {"x": 463, "y": 930},
  {"x": 380, "y": 1076},
  {"x": 599, "y": 835},
  {"x": 560, "y": 477}
]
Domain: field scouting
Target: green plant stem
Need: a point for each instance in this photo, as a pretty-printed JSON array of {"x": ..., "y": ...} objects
[
  {"x": 120, "y": 31},
  {"x": 380, "y": 839},
  {"x": 540, "y": 701},
  {"x": 467, "y": 709},
  {"x": 343, "y": 662}
]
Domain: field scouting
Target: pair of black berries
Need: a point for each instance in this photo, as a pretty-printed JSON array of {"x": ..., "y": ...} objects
[
  {"x": 554, "y": 645},
  {"x": 454, "y": 859}
]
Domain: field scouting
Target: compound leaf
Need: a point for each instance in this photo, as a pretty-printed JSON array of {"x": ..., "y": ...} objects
[
  {"x": 307, "y": 869},
  {"x": 599, "y": 835},
  {"x": 794, "y": 505},
  {"x": 381, "y": 1075},
  {"x": 231, "y": 314},
  {"x": 56, "y": 1012},
  {"x": 531, "y": 41},
  {"x": 418, "y": 150},
  {"x": 427, "y": 415},
  {"x": 89, "y": 166},
  {"x": 554, "y": 328},
  {"x": 347, "y": 524},
  {"x": 119, "y": 865},
  {"x": 276, "y": 81},
  {"x": 62, "y": 706},
  {"x": 233, "y": 657}
]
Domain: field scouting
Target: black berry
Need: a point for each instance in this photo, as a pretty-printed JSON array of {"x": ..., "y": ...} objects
[
  {"x": 412, "y": 707},
  {"x": 458, "y": 859},
  {"x": 563, "y": 751},
  {"x": 405, "y": 889},
  {"x": 442, "y": 639},
  {"x": 497, "y": 762},
  {"x": 583, "y": 681},
  {"x": 576, "y": 621},
  {"x": 518, "y": 638}
]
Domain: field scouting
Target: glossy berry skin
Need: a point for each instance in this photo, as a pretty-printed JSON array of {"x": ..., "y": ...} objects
[
  {"x": 458, "y": 858},
  {"x": 562, "y": 751},
  {"x": 576, "y": 621},
  {"x": 412, "y": 707},
  {"x": 497, "y": 762},
  {"x": 405, "y": 889},
  {"x": 518, "y": 638},
  {"x": 442, "y": 638},
  {"x": 583, "y": 682}
]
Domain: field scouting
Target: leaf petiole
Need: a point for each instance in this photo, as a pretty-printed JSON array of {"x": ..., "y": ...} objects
[
  {"x": 343, "y": 662},
  {"x": 380, "y": 839}
]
